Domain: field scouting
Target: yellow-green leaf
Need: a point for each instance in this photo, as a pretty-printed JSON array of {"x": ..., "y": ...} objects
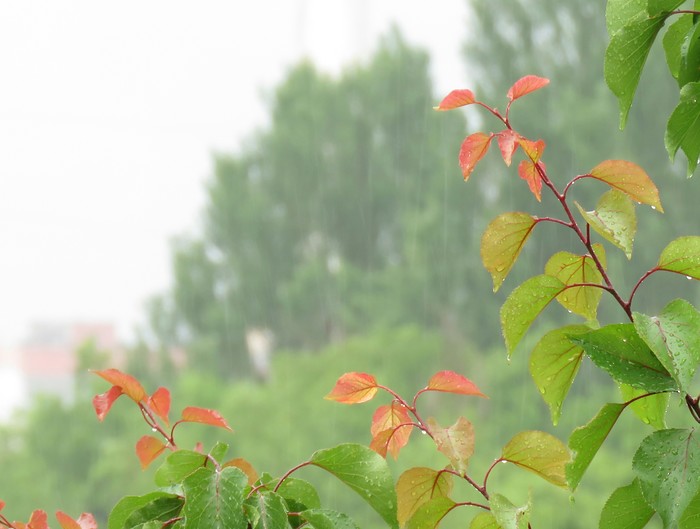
[
  {"x": 573, "y": 269},
  {"x": 682, "y": 256},
  {"x": 540, "y": 453},
  {"x": 417, "y": 486},
  {"x": 456, "y": 442},
  {"x": 614, "y": 219},
  {"x": 629, "y": 178},
  {"x": 484, "y": 520},
  {"x": 502, "y": 242},
  {"x": 651, "y": 409}
]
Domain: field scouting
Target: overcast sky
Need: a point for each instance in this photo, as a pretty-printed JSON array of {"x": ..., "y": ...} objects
[{"x": 109, "y": 113}]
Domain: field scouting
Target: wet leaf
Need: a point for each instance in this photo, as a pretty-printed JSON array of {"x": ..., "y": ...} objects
[
  {"x": 691, "y": 516},
  {"x": 215, "y": 499},
  {"x": 524, "y": 304},
  {"x": 451, "y": 382},
  {"x": 507, "y": 142},
  {"x": 390, "y": 417},
  {"x": 157, "y": 510},
  {"x": 626, "y": 509},
  {"x": 417, "y": 486},
  {"x": 667, "y": 465},
  {"x": 525, "y": 85},
  {"x": 673, "y": 40},
  {"x": 572, "y": 269},
  {"x": 657, "y": 7},
  {"x": 682, "y": 256},
  {"x": 301, "y": 492},
  {"x": 630, "y": 179},
  {"x": 618, "y": 350},
  {"x": 473, "y": 149},
  {"x": 327, "y": 519},
  {"x": 353, "y": 388},
  {"x": 103, "y": 402},
  {"x": 456, "y": 442},
  {"x": 130, "y": 504},
  {"x": 683, "y": 129},
  {"x": 651, "y": 409},
  {"x": 508, "y": 515},
  {"x": 456, "y": 99},
  {"x": 159, "y": 403},
  {"x": 364, "y": 471},
  {"x": 177, "y": 466},
  {"x": 502, "y": 242},
  {"x": 585, "y": 441},
  {"x": 540, "y": 453},
  {"x": 527, "y": 170},
  {"x": 674, "y": 337},
  {"x": 533, "y": 149},
  {"x": 431, "y": 513},
  {"x": 554, "y": 362},
  {"x": 84, "y": 521},
  {"x": 270, "y": 509},
  {"x": 614, "y": 219},
  {"x": 245, "y": 466},
  {"x": 484, "y": 520}
]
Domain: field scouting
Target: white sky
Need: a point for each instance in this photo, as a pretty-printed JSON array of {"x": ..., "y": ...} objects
[{"x": 109, "y": 113}]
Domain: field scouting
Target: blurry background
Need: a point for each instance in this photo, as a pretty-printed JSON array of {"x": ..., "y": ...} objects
[{"x": 243, "y": 201}]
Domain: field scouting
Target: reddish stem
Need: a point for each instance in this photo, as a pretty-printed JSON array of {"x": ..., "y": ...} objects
[{"x": 289, "y": 473}]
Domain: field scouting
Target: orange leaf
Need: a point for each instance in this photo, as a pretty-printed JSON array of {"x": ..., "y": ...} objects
[
  {"x": 38, "y": 520},
  {"x": 245, "y": 466},
  {"x": 204, "y": 416},
  {"x": 353, "y": 388},
  {"x": 451, "y": 382},
  {"x": 2, "y": 505},
  {"x": 102, "y": 403},
  {"x": 525, "y": 85},
  {"x": 507, "y": 142},
  {"x": 380, "y": 442},
  {"x": 159, "y": 403},
  {"x": 455, "y": 99},
  {"x": 130, "y": 386},
  {"x": 630, "y": 179},
  {"x": 390, "y": 417},
  {"x": 533, "y": 149},
  {"x": 528, "y": 172},
  {"x": 473, "y": 149},
  {"x": 86, "y": 521},
  {"x": 147, "y": 449}
]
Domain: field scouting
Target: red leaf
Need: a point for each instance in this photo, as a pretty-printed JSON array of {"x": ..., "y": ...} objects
[
  {"x": 204, "y": 416},
  {"x": 147, "y": 449},
  {"x": 2, "y": 505},
  {"x": 38, "y": 520},
  {"x": 507, "y": 142},
  {"x": 86, "y": 521},
  {"x": 456, "y": 99},
  {"x": 353, "y": 388},
  {"x": 130, "y": 386},
  {"x": 533, "y": 149},
  {"x": 102, "y": 403},
  {"x": 528, "y": 172},
  {"x": 525, "y": 85},
  {"x": 473, "y": 149},
  {"x": 159, "y": 403},
  {"x": 389, "y": 418},
  {"x": 380, "y": 442},
  {"x": 451, "y": 382},
  {"x": 199, "y": 447}
]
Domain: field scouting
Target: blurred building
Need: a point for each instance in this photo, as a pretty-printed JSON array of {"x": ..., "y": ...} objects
[{"x": 46, "y": 362}]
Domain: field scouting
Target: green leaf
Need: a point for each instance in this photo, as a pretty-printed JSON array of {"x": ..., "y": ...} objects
[
  {"x": 507, "y": 515},
  {"x": 690, "y": 57},
  {"x": 625, "y": 57},
  {"x": 215, "y": 499},
  {"x": 430, "y": 514},
  {"x": 417, "y": 486},
  {"x": 364, "y": 471},
  {"x": 614, "y": 219},
  {"x": 667, "y": 465},
  {"x": 572, "y": 269},
  {"x": 456, "y": 442},
  {"x": 682, "y": 256},
  {"x": 673, "y": 41},
  {"x": 219, "y": 451},
  {"x": 301, "y": 492},
  {"x": 619, "y": 12},
  {"x": 626, "y": 509},
  {"x": 674, "y": 337},
  {"x": 585, "y": 441},
  {"x": 524, "y": 304},
  {"x": 327, "y": 519},
  {"x": 650, "y": 409},
  {"x": 271, "y": 511},
  {"x": 127, "y": 505},
  {"x": 658, "y": 7},
  {"x": 502, "y": 242},
  {"x": 554, "y": 362},
  {"x": 691, "y": 516},
  {"x": 158, "y": 509},
  {"x": 484, "y": 520},
  {"x": 683, "y": 128},
  {"x": 540, "y": 453},
  {"x": 618, "y": 350},
  {"x": 630, "y": 179},
  {"x": 177, "y": 466}
]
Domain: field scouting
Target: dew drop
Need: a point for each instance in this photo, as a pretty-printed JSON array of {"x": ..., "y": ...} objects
[
  {"x": 653, "y": 207},
  {"x": 154, "y": 430},
  {"x": 688, "y": 278}
]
